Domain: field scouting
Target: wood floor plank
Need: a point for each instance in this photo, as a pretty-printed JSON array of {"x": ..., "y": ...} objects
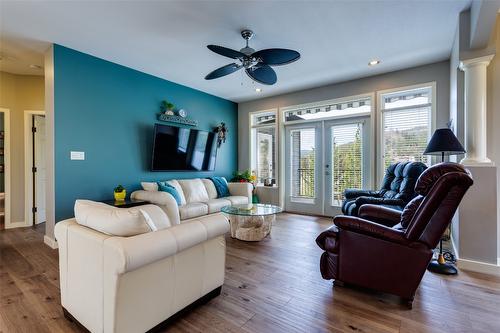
[{"x": 270, "y": 286}]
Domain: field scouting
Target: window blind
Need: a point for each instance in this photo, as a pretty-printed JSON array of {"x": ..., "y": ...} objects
[
  {"x": 405, "y": 134},
  {"x": 347, "y": 159},
  {"x": 303, "y": 162}
]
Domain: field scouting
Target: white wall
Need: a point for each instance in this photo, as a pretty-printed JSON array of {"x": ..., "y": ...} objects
[{"x": 438, "y": 72}]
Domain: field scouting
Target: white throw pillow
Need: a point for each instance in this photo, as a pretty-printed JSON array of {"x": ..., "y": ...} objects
[
  {"x": 194, "y": 190},
  {"x": 110, "y": 220},
  {"x": 149, "y": 186}
]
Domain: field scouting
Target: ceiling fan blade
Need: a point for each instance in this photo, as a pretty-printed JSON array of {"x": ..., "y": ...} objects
[
  {"x": 224, "y": 51},
  {"x": 223, "y": 71},
  {"x": 262, "y": 73},
  {"x": 276, "y": 57}
]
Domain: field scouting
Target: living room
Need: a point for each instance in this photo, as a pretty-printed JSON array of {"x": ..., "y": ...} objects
[{"x": 215, "y": 166}]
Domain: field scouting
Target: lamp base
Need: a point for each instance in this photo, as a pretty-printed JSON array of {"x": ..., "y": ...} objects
[{"x": 445, "y": 269}]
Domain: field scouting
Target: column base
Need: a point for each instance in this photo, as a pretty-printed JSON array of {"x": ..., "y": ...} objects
[{"x": 477, "y": 162}]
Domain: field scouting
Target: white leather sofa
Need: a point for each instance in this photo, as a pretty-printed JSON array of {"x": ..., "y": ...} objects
[
  {"x": 132, "y": 284},
  {"x": 198, "y": 197}
]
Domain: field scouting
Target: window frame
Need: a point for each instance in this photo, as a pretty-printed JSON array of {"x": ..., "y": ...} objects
[
  {"x": 380, "y": 152},
  {"x": 253, "y": 142}
]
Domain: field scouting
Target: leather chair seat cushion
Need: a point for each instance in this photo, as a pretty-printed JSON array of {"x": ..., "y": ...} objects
[
  {"x": 194, "y": 209},
  {"x": 237, "y": 200},
  {"x": 215, "y": 205}
]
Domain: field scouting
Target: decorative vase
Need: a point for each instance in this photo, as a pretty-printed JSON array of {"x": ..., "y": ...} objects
[{"x": 120, "y": 196}]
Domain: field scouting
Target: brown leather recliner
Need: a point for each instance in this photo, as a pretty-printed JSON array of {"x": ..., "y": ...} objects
[{"x": 388, "y": 250}]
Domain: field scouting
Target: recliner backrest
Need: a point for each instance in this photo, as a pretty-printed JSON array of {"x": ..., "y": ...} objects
[
  {"x": 400, "y": 179},
  {"x": 440, "y": 189}
]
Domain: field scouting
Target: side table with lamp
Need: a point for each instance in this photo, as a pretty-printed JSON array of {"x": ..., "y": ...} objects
[{"x": 443, "y": 142}]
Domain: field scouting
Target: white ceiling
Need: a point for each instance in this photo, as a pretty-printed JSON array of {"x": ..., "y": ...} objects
[{"x": 168, "y": 39}]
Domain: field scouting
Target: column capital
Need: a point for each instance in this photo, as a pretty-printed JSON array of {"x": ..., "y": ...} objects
[{"x": 484, "y": 60}]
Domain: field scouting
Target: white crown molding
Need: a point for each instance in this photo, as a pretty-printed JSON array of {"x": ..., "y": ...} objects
[{"x": 484, "y": 60}]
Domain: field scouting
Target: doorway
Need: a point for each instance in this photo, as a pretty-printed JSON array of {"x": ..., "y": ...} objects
[
  {"x": 35, "y": 167},
  {"x": 322, "y": 159},
  {"x": 4, "y": 168}
]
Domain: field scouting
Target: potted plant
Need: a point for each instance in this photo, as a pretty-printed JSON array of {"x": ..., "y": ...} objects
[
  {"x": 246, "y": 177},
  {"x": 167, "y": 108},
  {"x": 120, "y": 193}
]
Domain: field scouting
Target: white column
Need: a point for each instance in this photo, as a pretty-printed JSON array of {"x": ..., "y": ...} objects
[{"x": 475, "y": 110}]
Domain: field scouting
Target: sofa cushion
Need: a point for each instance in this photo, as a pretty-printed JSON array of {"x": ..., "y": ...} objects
[
  {"x": 237, "y": 200},
  {"x": 155, "y": 217},
  {"x": 194, "y": 190},
  {"x": 193, "y": 209},
  {"x": 166, "y": 187},
  {"x": 220, "y": 184},
  {"x": 110, "y": 220},
  {"x": 178, "y": 187},
  {"x": 210, "y": 187},
  {"x": 149, "y": 186},
  {"x": 215, "y": 205}
]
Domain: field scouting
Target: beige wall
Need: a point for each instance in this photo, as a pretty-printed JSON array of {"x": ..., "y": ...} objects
[{"x": 19, "y": 93}]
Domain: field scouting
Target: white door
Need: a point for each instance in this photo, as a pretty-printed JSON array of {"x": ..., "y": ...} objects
[
  {"x": 347, "y": 159},
  {"x": 40, "y": 164},
  {"x": 303, "y": 168}
]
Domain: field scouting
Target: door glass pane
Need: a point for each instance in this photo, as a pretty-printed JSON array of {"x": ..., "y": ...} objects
[
  {"x": 265, "y": 153},
  {"x": 303, "y": 162},
  {"x": 347, "y": 160}
]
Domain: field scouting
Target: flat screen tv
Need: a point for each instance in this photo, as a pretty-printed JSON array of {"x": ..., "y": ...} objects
[{"x": 183, "y": 149}]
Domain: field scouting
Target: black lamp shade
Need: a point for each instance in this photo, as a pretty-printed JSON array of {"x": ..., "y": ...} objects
[{"x": 444, "y": 142}]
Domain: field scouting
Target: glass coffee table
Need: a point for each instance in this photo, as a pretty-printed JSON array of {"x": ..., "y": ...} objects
[{"x": 251, "y": 222}]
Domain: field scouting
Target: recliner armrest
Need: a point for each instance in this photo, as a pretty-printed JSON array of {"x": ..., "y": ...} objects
[
  {"x": 362, "y": 226},
  {"x": 241, "y": 189},
  {"x": 363, "y": 200},
  {"x": 352, "y": 193},
  {"x": 380, "y": 214}
]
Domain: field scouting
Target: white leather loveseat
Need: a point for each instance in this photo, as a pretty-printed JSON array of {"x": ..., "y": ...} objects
[
  {"x": 133, "y": 284},
  {"x": 198, "y": 197}
]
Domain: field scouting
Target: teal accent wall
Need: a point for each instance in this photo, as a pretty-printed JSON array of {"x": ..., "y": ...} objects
[{"x": 108, "y": 111}]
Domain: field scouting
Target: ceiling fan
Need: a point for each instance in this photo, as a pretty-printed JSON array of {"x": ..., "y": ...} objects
[{"x": 257, "y": 64}]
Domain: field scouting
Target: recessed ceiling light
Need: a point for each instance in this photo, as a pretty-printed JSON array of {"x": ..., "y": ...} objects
[
  {"x": 374, "y": 62},
  {"x": 258, "y": 90},
  {"x": 35, "y": 66}
]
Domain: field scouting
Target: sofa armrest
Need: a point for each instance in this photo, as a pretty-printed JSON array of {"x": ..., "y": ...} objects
[
  {"x": 129, "y": 253},
  {"x": 363, "y": 200},
  {"x": 352, "y": 193},
  {"x": 241, "y": 189},
  {"x": 162, "y": 199},
  {"x": 380, "y": 214},
  {"x": 365, "y": 227}
]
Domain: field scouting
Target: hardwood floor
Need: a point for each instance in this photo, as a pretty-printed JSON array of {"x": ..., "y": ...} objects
[{"x": 271, "y": 286}]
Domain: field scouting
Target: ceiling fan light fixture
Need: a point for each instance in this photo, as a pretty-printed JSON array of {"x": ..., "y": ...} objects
[
  {"x": 373, "y": 62},
  {"x": 258, "y": 90}
]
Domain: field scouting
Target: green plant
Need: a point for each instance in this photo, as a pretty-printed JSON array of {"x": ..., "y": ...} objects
[
  {"x": 242, "y": 176},
  {"x": 119, "y": 189},
  {"x": 166, "y": 105}
]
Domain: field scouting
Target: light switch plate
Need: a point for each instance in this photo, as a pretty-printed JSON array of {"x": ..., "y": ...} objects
[{"x": 77, "y": 155}]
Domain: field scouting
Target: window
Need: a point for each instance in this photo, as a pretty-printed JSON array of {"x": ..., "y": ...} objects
[
  {"x": 330, "y": 110},
  {"x": 263, "y": 145},
  {"x": 406, "y": 125},
  {"x": 347, "y": 160},
  {"x": 303, "y": 162}
]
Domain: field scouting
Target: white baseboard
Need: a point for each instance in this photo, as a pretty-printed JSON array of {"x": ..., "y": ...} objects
[
  {"x": 13, "y": 225},
  {"x": 52, "y": 243},
  {"x": 478, "y": 266}
]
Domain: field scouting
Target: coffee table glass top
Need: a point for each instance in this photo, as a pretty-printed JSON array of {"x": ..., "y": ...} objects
[{"x": 252, "y": 210}]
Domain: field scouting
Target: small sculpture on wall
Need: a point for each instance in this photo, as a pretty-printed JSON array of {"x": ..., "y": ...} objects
[{"x": 221, "y": 131}]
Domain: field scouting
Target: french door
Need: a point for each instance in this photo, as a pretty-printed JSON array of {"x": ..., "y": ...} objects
[{"x": 323, "y": 159}]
